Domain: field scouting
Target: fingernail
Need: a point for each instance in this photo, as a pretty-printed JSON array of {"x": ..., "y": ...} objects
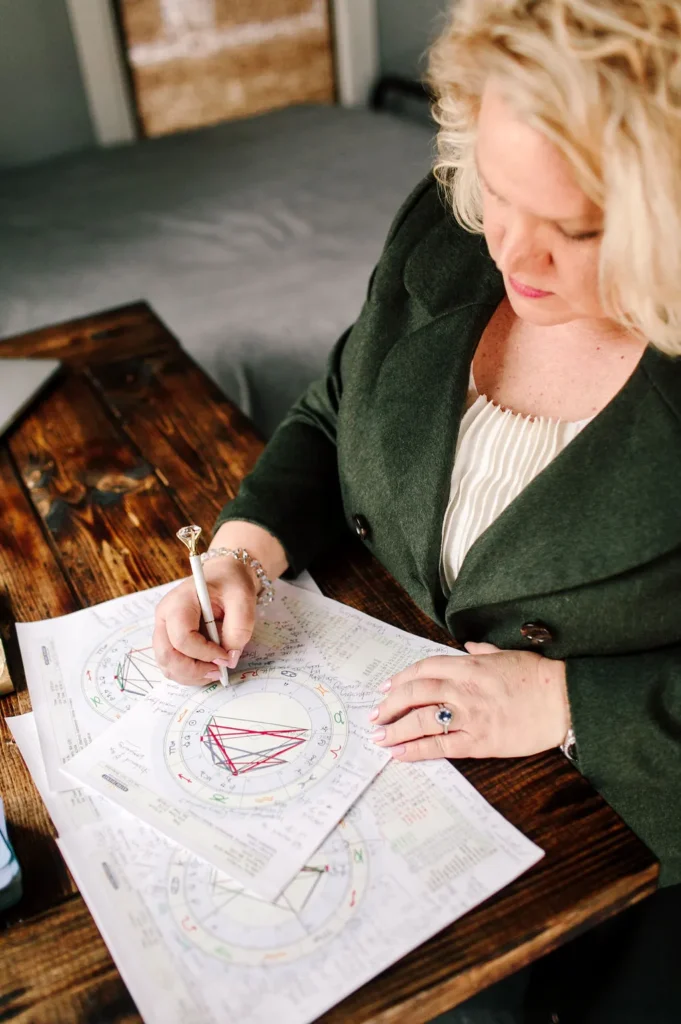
[
  {"x": 212, "y": 676},
  {"x": 384, "y": 687},
  {"x": 398, "y": 750},
  {"x": 373, "y": 715},
  {"x": 378, "y": 735},
  {"x": 233, "y": 658},
  {"x": 222, "y": 662}
]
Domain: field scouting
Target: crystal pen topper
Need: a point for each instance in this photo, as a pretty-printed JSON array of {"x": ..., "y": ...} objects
[{"x": 189, "y": 536}]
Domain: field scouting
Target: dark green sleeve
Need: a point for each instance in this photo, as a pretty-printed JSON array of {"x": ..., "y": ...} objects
[
  {"x": 294, "y": 490},
  {"x": 626, "y": 714}
]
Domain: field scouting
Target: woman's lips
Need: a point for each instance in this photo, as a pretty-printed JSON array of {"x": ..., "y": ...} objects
[{"x": 529, "y": 293}]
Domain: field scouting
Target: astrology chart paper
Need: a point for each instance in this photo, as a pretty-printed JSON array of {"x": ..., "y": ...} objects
[
  {"x": 418, "y": 850},
  {"x": 254, "y": 776},
  {"x": 87, "y": 669}
]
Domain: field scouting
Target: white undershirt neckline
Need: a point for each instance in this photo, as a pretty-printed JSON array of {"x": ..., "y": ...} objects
[{"x": 498, "y": 453}]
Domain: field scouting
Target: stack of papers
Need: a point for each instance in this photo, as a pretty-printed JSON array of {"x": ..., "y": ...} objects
[{"x": 249, "y": 853}]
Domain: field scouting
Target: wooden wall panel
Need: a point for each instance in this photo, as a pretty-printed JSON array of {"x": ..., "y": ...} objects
[{"x": 198, "y": 62}]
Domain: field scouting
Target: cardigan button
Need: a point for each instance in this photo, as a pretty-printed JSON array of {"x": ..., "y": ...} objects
[
  {"x": 537, "y": 633},
  {"x": 361, "y": 526}
]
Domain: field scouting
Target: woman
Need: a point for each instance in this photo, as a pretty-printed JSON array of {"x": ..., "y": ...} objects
[{"x": 502, "y": 427}]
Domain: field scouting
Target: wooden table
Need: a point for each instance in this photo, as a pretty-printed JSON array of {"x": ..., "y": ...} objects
[{"x": 130, "y": 442}]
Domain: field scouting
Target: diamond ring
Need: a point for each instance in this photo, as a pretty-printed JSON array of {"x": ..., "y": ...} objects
[{"x": 443, "y": 717}]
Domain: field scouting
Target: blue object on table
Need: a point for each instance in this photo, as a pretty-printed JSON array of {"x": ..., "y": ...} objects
[{"x": 10, "y": 872}]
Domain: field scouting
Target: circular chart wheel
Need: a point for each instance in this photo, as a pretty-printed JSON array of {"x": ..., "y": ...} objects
[
  {"x": 121, "y": 670},
  {"x": 261, "y": 741},
  {"x": 221, "y": 918}
]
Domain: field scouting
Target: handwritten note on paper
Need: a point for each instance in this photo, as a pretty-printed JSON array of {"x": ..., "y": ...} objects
[
  {"x": 88, "y": 669},
  {"x": 417, "y": 851},
  {"x": 254, "y": 777}
]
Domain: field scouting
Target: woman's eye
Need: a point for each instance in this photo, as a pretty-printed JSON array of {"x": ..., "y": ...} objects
[
  {"x": 584, "y": 237},
  {"x": 491, "y": 194}
]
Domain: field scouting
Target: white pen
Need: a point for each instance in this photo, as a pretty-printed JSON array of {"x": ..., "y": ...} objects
[{"x": 189, "y": 535}]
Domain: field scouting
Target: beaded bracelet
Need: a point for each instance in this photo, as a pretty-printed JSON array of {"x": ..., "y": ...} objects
[{"x": 266, "y": 595}]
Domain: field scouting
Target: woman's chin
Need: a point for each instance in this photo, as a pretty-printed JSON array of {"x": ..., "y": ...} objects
[{"x": 548, "y": 311}]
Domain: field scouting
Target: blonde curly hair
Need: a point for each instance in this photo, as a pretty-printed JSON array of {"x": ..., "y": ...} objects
[{"x": 601, "y": 79}]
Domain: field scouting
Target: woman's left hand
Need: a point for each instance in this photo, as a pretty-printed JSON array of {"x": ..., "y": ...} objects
[{"x": 503, "y": 704}]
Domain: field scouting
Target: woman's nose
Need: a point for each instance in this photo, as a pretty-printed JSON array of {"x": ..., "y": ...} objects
[{"x": 520, "y": 248}]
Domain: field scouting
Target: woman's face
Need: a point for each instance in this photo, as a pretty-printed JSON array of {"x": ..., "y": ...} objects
[{"x": 542, "y": 231}]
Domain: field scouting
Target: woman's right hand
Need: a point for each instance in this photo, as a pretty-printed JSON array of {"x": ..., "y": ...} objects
[{"x": 182, "y": 651}]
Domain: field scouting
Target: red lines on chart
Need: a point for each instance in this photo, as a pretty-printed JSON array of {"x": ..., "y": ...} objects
[
  {"x": 240, "y": 749},
  {"x": 133, "y": 671}
]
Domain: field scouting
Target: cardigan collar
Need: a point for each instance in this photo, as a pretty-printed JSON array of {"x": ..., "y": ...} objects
[{"x": 450, "y": 268}]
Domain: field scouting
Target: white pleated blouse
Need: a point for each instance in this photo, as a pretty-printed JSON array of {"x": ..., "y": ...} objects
[{"x": 498, "y": 453}]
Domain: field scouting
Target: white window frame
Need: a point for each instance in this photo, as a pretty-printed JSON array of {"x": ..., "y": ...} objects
[{"x": 355, "y": 33}]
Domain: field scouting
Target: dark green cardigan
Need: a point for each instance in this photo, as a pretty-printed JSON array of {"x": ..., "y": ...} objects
[{"x": 591, "y": 548}]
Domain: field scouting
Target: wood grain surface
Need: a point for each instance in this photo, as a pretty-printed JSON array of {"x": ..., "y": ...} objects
[{"x": 130, "y": 441}]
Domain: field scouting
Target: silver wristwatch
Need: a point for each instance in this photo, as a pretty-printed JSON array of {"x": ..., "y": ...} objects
[{"x": 569, "y": 745}]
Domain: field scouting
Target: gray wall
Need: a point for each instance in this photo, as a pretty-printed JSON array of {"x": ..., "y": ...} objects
[
  {"x": 405, "y": 30},
  {"x": 43, "y": 109}
]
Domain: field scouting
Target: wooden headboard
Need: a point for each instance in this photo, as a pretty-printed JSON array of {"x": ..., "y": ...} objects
[
  {"x": 155, "y": 66},
  {"x": 199, "y": 62}
]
